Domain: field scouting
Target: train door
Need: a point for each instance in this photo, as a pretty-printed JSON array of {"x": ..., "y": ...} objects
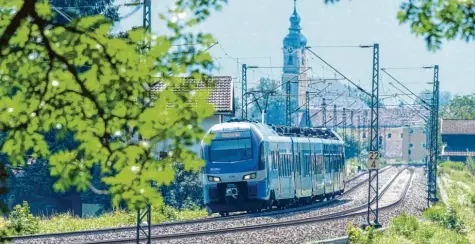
[
  {"x": 327, "y": 160},
  {"x": 298, "y": 163},
  {"x": 319, "y": 173},
  {"x": 279, "y": 169},
  {"x": 272, "y": 165},
  {"x": 334, "y": 179}
]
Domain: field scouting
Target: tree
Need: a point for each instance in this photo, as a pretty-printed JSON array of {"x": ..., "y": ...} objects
[
  {"x": 275, "y": 104},
  {"x": 352, "y": 147},
  {"x": 77, "y": 78},
  {"x": 186, "y": 191},
  {"x": 460, "y": 107},
  {"x": 438, "y": 20}
]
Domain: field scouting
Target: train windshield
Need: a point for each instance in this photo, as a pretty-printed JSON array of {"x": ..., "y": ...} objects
[{"x": 230, "y": 149}]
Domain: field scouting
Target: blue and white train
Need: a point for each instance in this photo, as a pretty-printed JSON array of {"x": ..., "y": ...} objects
[{"x": 253, "y": 166}]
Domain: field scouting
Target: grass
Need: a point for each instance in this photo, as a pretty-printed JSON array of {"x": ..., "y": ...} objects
[
  {"x": 440, "y": 223},
  {"x": 117, "y": 218}
]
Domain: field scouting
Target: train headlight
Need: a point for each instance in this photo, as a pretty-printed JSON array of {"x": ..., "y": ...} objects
[
  {"x": 249, "y": 176},
  {"x": 214, "y": 179}
]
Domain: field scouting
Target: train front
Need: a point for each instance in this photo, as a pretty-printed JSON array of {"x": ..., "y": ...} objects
[{"x": 234, "y": 175}]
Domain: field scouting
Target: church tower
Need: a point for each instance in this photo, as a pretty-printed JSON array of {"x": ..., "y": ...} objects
[{"x": 294, "y": 67}]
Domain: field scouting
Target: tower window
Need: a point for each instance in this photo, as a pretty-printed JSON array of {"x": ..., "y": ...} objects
[
  {"x": 389, "y": 135},
  {"x": 303, "y": 61},
  {"x": 290, "y": 60}
]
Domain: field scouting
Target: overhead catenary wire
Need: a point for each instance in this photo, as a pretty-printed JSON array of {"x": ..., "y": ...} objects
[
  {"x": 334, "y": 69},
  {"x": 405, "y": 87}
]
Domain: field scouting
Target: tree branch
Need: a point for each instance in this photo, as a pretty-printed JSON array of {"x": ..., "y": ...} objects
[
  {"x": 27, "y": 8},
  {"x": 97, "y": 191}
]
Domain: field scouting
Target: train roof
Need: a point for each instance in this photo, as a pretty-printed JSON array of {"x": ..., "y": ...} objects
[{"x": 277, "y": 130}]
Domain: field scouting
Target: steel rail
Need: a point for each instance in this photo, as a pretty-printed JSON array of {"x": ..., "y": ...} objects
[
  {"x": 195, "y": 221},
  {"x": 325, "y": 217}
]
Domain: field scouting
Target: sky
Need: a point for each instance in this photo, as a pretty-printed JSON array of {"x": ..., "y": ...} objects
[{"x": 251, "y": 32}]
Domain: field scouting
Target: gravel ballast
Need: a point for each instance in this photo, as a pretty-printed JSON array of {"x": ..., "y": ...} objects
[{"x": 355, "y": 198}]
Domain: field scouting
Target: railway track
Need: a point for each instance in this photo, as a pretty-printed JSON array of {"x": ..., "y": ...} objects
[
  {"x": 339, "y": 215},
  {"x": 203, "y": 220}
]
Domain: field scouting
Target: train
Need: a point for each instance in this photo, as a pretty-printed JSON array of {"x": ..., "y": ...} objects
[{"x": 251, "y": 166}]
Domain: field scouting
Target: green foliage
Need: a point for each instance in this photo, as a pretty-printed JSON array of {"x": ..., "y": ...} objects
[
  {"x": 352, "y": 147},
  {"x": 405, "y": 224},
  {"x": 186, "y": 190},
  {"x": 452, "y": 165},
  {"x": 77, "y": 78},
  {"x": 357, "y": 236},
  {"x": 275, "y": 104},
  {"x": 471, "y": 165},
  {"x": 445, "y": 217},
  {"x": 439, "y": 20},
  {"x": 460, "y": 107},
  {"x": 21, "y": 221}
]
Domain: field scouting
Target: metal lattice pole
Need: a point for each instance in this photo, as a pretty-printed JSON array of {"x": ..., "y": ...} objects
[
  {"x": 324, "y": 113},
  {"x": 145, "y": 213},
  {"x": 352, "y": 123},
  {"x": 288, "y": 113},
  {"x": 334, "y": 117},
  {"x": 432, "y": 174},
  {"x": 307, "y": 103},
  {"x": 243, "y": 92},
  {"x": 359, "y": 128},
  {"x": 344, "y": 124},
  {"x": 373, "y": 185}
]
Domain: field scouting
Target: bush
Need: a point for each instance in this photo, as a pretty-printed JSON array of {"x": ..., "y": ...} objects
[
  {"x": 356, "y": 235},
  {"x": 471, "y": 165},
  {"x": 21, "y": 221},
  {"x": 444, "y": 217},
  {"x": 405, "y": 224}
]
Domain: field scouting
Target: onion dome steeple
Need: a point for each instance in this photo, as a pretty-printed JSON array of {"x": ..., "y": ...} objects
[{"x": 295, "y": 38}]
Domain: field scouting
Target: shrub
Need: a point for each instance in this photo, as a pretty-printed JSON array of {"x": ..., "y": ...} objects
[
  {"x": 21, "y": 221},
  {"x": 471, "y": 165},
  {"x": 446, "y": 218},
  {"x": 405, "y": 224},
  {"x": 436, "y": 213},
  {"x": 356, "y": 235}
]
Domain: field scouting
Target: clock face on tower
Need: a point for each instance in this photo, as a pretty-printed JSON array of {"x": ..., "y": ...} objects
[{"x": 290, "y": 49}]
